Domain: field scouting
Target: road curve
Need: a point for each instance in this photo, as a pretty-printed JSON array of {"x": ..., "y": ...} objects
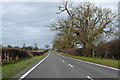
[{"x": 56, "y": 66}]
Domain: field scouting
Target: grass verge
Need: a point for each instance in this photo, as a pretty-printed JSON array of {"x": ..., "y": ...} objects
[
  {"x": 12, "y": 68},
  {"x": 107, "y": 62}
]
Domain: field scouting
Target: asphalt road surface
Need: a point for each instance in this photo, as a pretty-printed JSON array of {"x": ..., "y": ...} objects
[{"x": 57, "y": 66}]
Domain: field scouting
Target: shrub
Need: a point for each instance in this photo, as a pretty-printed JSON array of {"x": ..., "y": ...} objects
[{"x": 108, "y": 50}]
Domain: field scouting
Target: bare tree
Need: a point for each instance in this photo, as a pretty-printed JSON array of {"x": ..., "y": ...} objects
[
  {"x": 23, "y": 47},
  {"x": 47, "y": 46},
  {"x": 88, "y": 22},
  {"x": 35, "y": 46}
]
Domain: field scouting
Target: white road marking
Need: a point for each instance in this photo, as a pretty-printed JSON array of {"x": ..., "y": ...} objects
[
  {"x": 90, "y": 78},
  {"x": 92, "y": 63},
  {"x": 24, "y": 75},
  {"x": 70, "y": 65},
  {"x": 63, "y": 61}
]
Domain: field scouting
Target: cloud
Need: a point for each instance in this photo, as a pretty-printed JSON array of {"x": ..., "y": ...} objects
[
  {"x": 25, "y": 22},
  {"x": 110, "y": 5},
  {"x": 58, "y": 0}
]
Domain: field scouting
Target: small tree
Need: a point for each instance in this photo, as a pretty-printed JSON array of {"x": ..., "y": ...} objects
[
  {"x": 35, "y": 46},
  {"x": 9, "y": 46},
  {"x": 47, "y": 46},
  {"x": 17, "y": 47},
  {"x": 29, "y": 48},
  {"x": 23, "y": 47}
]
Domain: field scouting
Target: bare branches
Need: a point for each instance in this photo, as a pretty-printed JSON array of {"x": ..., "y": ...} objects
[{"x": 84, "y": 25}]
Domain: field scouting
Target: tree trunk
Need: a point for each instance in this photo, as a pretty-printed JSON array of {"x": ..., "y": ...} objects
[
  {"x": 6, "y": 57},
  {"x": 93, "y": 51},
  {"x": 85, "y": 45},
  {"x": 85, "y": 50}
]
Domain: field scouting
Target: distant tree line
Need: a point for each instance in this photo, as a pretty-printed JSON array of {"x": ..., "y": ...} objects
[
  {"x": 35, "y": 47},
  {"x": 86, "y": 25}
]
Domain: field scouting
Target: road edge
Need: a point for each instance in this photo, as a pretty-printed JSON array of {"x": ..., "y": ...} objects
[
  {"x": 31, "y": 69},
  {"x": 112, "y": 68}
]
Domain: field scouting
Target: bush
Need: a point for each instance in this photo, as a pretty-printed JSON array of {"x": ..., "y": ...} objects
[
  {"x": 38, "y": 53},
  {"x": 10, "y": 54},
  {"x": 108, "y": 50}
]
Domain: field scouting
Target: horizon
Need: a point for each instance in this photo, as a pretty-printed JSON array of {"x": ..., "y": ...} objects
[{"x": 25, "y": 22}]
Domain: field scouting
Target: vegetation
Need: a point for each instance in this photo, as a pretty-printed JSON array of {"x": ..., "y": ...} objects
[
  {"x": 106, "y": 50},
  {"x": 17, "y": 47},
  {"x": 47, "y": 46},
  {"x": 35, "y": 47},
  {"x": 86, "y": 26},
  {"x": 11, "y": 54},
  {"x": 107, "y": 62},
  {"x": 30, "y": 47},
  {"x": 9, "y": 46},
  {"x": 14, "y": 59},
  {"x": 12, "y": 68}
]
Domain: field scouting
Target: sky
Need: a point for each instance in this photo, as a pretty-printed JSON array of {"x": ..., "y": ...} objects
[{"x": 25, "y": 22}]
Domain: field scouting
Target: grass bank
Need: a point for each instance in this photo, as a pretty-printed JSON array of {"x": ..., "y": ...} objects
[
  {"x": 107, "y": 62},
  {"x": 12, "y": 68}
]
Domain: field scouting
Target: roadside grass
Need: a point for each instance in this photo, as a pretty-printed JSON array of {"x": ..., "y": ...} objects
[
  {"x": 12, "y": 68},
  {"x": 107, "y": 62}
]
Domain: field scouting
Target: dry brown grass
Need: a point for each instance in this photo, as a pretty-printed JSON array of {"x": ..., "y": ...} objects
[{"x": 38, "y": 51}]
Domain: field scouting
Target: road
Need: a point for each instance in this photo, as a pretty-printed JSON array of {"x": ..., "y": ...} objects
[{"x": 56, "y": 66}]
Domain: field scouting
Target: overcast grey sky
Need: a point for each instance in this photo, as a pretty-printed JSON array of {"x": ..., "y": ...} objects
[{"x": 25, "y": 22}]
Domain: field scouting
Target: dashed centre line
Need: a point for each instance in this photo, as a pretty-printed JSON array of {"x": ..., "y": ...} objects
[
  {"x": 90, "y": 78},
  {"x": 63, "y": 61},
  {"x": 70, "y": 65}
]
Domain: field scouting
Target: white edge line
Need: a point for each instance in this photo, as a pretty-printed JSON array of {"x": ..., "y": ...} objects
[
  {"x": 93, "y": 63},
  {"x": 70, "y": 65},
  {"x": 24, "y": 75},
  {"x": 90, "y": 77}
]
